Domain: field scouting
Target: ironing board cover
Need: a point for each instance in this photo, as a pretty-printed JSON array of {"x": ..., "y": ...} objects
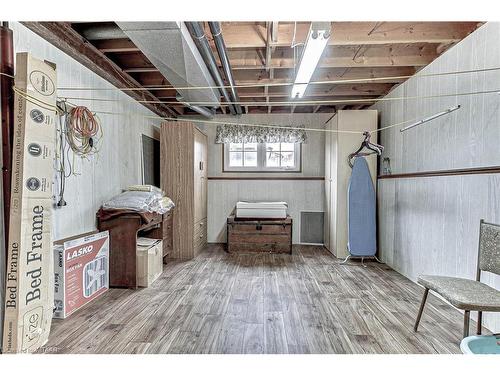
[{"x": 362, "y": 222}]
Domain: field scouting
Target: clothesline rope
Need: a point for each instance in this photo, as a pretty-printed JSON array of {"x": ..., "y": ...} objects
[
  {"x": 36, "y": 101},
  {"x": 278, "y": 84},
  {"x": 295, "y": 103}
]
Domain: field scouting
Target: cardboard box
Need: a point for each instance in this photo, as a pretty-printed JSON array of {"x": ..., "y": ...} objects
[
  {"x": 29, "y": 290},
  {"x": 81, "y": 271},
  {"x": 149, "y": 262}
]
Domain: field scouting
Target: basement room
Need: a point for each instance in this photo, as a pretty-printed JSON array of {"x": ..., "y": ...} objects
[{"x": 296, "y": 183}]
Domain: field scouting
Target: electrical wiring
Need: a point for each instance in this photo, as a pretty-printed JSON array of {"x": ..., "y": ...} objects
[
  {"x": 61, "y": 146},
  {"x": 83, "y": 131},
  {"x": 294, "y": 43}
]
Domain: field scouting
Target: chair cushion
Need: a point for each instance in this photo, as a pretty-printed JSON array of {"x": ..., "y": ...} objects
[{"x": 464, "y": 294}]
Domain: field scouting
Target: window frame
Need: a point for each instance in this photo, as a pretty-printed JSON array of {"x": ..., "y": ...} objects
[{"x": 261, "y": 161}]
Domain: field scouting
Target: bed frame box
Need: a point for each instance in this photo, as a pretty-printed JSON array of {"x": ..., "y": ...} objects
[
  {"x": 29, "y": 297},
  {"x": 259, "y": 235}
]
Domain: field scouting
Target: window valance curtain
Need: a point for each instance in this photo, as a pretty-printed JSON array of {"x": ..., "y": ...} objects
[{"x": 256, "y": 134}]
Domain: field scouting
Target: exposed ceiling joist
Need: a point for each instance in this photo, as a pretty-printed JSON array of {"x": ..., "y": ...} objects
[
  {"x": 260, "y": 54},
  {"x": 343, "y": 56},
  {"x": 115, "y": 45},
  {"x": 61, "y": 35},
  {"x": 245, "y": 35},
  {"x": 363, "y": 75}
]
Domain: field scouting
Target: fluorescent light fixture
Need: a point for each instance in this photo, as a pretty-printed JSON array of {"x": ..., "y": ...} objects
[{"x": 317, "y": 39}]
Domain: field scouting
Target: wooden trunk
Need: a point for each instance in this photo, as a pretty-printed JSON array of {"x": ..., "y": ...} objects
[{"x": 269, "y": 236}]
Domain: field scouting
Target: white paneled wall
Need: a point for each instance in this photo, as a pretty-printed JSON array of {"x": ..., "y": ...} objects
[
  {"x": 223, "y": 195},
  {"x": 301, "y": 195},
  {"x": 118, "y": 163},
  {"x": 430, "y": 225}
]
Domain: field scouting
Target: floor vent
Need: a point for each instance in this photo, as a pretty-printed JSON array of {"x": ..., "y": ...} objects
[{"x": 311, "y": 227}]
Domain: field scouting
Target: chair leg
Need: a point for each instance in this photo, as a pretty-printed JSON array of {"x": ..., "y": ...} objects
[
  {"x": 479, "y": 322},
  {"x": 466, "y": 323},
  {"x": 421, "y": 310}
]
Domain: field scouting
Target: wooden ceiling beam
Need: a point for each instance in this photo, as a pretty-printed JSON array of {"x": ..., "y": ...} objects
[
  {"x": 62, "y": 36},
  {"x": 278, "y": 101},
  {"x": 115, "y": 45},
  {"x": 342, "y": 57},
  {"x": 321, "y": 90},
  {"x": 259, "y": 77},
  {"x": 146, "y": 69},
  {"x": 150, "y": 79},
  {"x": 298, "y": 109},
  {"x": 247, "y": 35}
]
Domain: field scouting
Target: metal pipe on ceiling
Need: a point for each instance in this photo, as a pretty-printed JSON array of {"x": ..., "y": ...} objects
[
  {"x": 204, "y": 111},
  {"x": 196, "y": 30},
  {"x": 215, "y": 29}
]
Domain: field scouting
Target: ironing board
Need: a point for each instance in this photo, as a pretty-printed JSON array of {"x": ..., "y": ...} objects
[{"x": 362, "y": 224}]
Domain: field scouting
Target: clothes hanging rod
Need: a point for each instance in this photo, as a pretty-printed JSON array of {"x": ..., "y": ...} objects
[{"x": 430, "y": 118}]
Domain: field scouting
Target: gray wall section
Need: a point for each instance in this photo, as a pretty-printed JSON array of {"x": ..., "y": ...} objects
[
  {"x": 430, "y": 225},
  {"x": 300, "y": 195},
  {"x": 118, "y": 163}
]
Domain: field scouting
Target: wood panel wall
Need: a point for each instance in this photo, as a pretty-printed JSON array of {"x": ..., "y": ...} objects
[
  {"x": 301, "y": 194},
  {"x": 430, "y": 225},
  {"x": 118, "y": 163}
]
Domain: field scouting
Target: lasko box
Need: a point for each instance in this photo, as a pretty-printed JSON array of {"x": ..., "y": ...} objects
[
  {"x": 81, "y": 271},
  {"x": 29, "y": 282}
]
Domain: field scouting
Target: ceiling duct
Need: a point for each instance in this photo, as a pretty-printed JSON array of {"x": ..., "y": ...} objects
[
  {"x": 226, "y": 65},
  {"x": 198, "y": 33},
  {"x": 204, "y": 111},
  {"x": 171, "y": 49},
  {"x": 101, "y": 31}
]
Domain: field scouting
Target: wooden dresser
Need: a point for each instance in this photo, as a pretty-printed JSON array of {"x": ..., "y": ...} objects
[
  {"x": 123, "y": 232},
  {"x": 252, "y": 235},
  {"x": 184, "y": 180}
]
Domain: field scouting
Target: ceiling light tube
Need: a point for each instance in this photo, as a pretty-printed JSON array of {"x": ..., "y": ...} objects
[{"x": 317, "y": 40}]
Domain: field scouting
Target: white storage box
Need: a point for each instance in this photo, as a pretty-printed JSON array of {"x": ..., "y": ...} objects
[
  {"x": 81, "y": 271},
  {"x": 149, "y": 260},
  {"x": 261, "y": 210}
]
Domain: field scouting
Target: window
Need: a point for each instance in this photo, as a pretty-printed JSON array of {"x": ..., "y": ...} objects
[
  {"x": 262, "y": 157},
  {"x": 243, "y": 155}
]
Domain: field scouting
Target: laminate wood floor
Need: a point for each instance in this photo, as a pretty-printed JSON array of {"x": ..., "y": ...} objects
[{"x": 263, "y": 303}]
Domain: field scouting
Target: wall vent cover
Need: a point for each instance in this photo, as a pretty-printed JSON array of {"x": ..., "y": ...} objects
[{"x": 311, "y": 227}]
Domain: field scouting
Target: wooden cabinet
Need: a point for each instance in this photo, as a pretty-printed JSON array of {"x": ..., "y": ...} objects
[
  {"x": 338, "y": 146},
  {"x": 184, "y": 179},
  {"x": 168, "y": 241},
  {"x": 123, "y": 232}
]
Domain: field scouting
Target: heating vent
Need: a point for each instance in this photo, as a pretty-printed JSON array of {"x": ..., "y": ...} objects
[{"x": 311, "y": 227}]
